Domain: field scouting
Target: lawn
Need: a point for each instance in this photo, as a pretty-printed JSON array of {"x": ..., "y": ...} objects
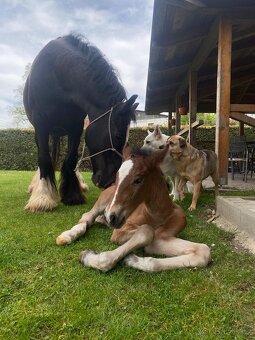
[{"x": 46, "y": 294}]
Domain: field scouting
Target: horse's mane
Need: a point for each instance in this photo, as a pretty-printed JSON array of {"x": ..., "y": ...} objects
[{"x": 106, "y": 77}]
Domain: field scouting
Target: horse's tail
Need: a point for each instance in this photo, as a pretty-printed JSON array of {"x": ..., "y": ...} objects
[{"x": 55, "y": 150}]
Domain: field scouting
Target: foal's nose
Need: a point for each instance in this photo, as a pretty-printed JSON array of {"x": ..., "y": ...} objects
[{"x": 113, "y": 219}]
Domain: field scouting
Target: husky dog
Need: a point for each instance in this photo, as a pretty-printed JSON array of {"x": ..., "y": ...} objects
[{"x": 157, "y": 140}]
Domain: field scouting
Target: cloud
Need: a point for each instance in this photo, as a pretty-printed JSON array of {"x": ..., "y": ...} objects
[{"x": 121, "y": 29}]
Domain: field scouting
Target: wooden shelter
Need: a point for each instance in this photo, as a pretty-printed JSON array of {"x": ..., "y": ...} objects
[{"x": 202, "y": 55}]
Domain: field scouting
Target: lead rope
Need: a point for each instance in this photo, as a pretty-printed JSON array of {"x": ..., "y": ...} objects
[{"x": 112, "y": 148}]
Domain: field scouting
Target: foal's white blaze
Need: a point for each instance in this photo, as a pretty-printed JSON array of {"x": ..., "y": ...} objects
[{"x": 124, "y": 170}]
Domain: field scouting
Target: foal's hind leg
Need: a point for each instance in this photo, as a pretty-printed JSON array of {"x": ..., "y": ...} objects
[
  {"x": 43, "y": 189},
  {"x": 184, "y": 254},
  {"x": 70, "y": 188}
]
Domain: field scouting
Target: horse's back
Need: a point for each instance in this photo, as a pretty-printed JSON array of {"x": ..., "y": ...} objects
[{"x": 53, "y": 83}]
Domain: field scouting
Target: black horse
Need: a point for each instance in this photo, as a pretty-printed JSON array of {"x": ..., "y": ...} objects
[{"x": 70, "y": 79}]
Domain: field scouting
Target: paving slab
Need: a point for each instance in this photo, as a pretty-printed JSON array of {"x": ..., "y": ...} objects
[{"x": 239, "y": 211}]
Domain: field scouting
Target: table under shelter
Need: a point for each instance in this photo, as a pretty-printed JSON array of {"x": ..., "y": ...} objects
[{"x": 202, "y": 55}]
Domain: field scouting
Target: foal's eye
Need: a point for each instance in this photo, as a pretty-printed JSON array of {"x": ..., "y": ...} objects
[
  {"x": 137, "y": 181},
  {"x": 148, "y": 142}
]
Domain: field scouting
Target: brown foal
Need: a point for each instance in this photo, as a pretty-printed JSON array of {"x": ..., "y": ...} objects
[{"x": 143, "y": 215}]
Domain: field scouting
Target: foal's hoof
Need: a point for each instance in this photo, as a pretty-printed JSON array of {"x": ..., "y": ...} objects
[
  {"x": 130, "y": 260},
  {"x": 83, "y": 258},
  {"x": 63, "y": 239}
]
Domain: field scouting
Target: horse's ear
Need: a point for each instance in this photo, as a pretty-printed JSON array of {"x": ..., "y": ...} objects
[
  {"x": 134, "y": 106},
  {"x": 148, "y": 132},
  {"x": 126, "y": 152},
  {"x": 131, "y": 101}
]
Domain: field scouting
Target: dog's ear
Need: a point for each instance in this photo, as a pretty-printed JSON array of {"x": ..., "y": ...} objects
[
  {"x": 157, "y": 132},
  {"x": 182, "y": 142}
]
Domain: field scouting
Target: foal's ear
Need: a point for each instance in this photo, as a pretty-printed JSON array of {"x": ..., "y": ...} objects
[{"x": 126, "y": 151}]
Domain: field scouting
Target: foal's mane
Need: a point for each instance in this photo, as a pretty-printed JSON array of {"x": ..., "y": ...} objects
[{"x": 104, "y": 74}]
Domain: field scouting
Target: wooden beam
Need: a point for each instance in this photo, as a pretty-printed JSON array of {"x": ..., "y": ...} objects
[
  {"x": 180, "y": 37},
  {"x": 243, "y": 107},
  {"x": 194, "y": 125},
  {"x": 192, "y": 105},
  {"x": 203, "y": 52},
  {"x": 223, "y": 97},
  {"x": 241, "y": 117}
]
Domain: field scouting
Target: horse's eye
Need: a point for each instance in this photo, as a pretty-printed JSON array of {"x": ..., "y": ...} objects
[
  {"x": 170, "y": 142},
  {"x": 148, "y": 142},
  {"x": 161, "y": 146},
  {"x": 137, "y": 181}
]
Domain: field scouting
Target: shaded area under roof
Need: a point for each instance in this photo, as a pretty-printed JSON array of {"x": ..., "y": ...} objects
[{"x": 184, "y": 35}]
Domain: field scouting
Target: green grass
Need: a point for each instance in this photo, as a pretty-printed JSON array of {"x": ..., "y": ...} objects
[{"x": 46, "y": 294}]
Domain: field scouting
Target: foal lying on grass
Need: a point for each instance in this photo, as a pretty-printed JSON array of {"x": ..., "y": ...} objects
[{"x": 143, "y": 215}]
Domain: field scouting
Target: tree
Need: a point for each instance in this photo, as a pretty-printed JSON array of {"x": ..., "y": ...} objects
[{"x": 18, "y": 111}]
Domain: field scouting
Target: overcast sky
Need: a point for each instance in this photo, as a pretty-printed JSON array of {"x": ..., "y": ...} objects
[{"x": 120, "y": 28}]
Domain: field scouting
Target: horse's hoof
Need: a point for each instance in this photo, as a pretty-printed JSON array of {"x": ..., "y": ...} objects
[
  {"x": 73, "y": 200},
  {"x": 42, "y": 205}
]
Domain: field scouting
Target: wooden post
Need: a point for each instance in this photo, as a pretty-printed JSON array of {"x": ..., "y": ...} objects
[
  {"x": 223, "y": 97},
  {"x": 241, "y": 129},
  {"x": 192, "y": 105},
  {"x": 177, "y": 114},
  {"x": 170, "y": 127}
]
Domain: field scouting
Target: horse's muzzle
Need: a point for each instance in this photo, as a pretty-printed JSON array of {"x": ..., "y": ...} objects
[{"x": 116, "y": 221}]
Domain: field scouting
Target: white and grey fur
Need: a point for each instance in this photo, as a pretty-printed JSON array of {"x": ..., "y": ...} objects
[{"x": 157, "y": 140}]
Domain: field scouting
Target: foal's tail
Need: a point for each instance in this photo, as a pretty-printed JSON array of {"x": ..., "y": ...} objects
[{"x": 55, "y": 150}]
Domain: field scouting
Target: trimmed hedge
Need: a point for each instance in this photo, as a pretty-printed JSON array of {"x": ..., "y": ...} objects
[{"x": 18, "y": 150}]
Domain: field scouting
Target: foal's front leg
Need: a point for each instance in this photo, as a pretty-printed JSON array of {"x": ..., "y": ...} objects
[
  {"x": 87, "y": 219},
  {"x": 107, "y": 260}
]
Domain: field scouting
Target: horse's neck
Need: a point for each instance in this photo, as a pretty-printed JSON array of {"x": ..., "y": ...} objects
[{"x": 157, "y": 199}]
